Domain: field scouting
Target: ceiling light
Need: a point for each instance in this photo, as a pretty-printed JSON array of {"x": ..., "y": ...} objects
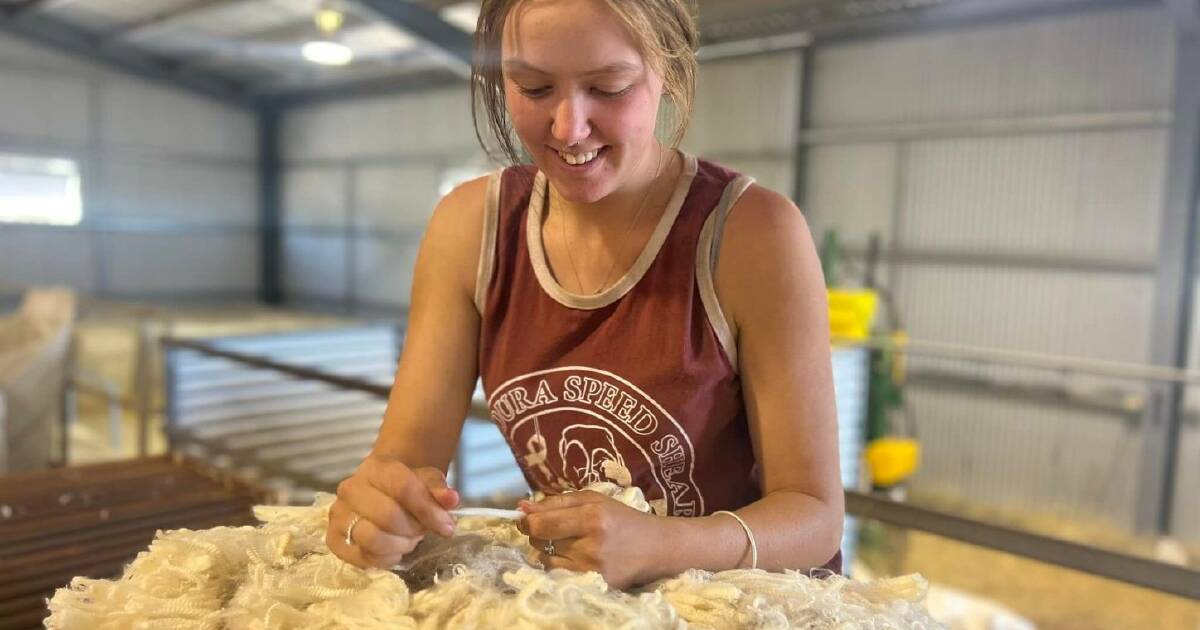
[
  {"x": 329, "y": 19},
  {"x": 463, "y": 15},
  {"x": 327, "y": 53}
]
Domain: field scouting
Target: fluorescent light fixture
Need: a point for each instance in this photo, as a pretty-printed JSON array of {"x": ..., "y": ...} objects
[
  {"x": 463, "y": 15},
  {"x": 328, "y": 19},
  {"x": 327, "y": 53},
  {"x": 376, "y": 40}
]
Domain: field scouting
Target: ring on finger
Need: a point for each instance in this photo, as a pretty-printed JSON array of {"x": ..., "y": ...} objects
[
  {"x": 350, "y": 530},
  {"x": 549, "y": 548}
]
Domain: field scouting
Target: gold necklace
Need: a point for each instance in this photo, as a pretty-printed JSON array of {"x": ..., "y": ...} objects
[{"x": 562, "y": 224}]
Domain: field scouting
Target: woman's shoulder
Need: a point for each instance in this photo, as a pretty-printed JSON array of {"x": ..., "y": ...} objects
[
  {"x": 455, "y": 229},
  {"x": 765, "y": 235},
  {"x": 767, "y": 207},
  {"x": 457, "y": 214},
  {"x": 765, "y": 220},
  {"x": 465, "y": 197}
]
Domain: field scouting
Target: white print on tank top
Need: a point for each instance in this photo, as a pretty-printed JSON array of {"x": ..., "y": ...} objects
[{"x": 574, "y": 426}]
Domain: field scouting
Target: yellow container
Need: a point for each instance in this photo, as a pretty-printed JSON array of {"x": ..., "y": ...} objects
[
  {"x": 851, "y": 313},
  {"x": 892, "y": 460}
]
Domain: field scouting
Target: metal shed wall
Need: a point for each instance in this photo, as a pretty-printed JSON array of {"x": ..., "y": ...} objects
[
  {"x": 1015, "y": 175},
  {"x": 167, "y": 177},
  {"x": 361, "y": 179}
]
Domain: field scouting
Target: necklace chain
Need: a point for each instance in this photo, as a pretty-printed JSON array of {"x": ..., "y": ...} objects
[{"x": 562, "y": 224}]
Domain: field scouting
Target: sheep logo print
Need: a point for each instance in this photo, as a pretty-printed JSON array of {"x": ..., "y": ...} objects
[{"x": 575, "y": 426}]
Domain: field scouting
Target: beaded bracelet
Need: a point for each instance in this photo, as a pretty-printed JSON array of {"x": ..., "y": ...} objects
[{"x": 749, "y": 534}]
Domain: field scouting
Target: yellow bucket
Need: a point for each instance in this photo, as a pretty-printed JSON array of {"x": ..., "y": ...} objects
[
  {"x": 892, "y": 460},
  {"x": 851, "y": 313}
]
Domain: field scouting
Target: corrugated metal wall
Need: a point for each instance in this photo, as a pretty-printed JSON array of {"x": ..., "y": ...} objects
[
  {"x": 1016, "y": 173},
  {"x": 1092, "y": 62},
  {"x": 361, "y": 179},
  {"x": 167, "y": 177},
  {"x": 747, "y": 115}
]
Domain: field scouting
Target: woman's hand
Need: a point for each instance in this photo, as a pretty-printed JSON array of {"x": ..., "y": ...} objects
[
  {"x": 396, "y": 506},
  {"x": 592, "y": 532}
]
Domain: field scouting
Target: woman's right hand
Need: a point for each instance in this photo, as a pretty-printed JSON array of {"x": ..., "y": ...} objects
[{"x": 397, "y": 506}]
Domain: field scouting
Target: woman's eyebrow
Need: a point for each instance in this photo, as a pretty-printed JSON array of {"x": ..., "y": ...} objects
[
  {"x": 520, "y": 65},
  {"x": 614, "y": 68}
]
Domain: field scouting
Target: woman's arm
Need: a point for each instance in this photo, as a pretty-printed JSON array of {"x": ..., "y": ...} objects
[
  {"x": 439, "y": 364},
  {"x": 771, "y": 288},
  {"x": 399, "y": 493}
]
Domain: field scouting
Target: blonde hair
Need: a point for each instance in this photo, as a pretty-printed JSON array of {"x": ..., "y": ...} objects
[{"x": 666, "y": 36}]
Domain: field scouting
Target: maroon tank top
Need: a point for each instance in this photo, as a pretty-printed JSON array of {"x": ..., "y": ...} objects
[
  {"x": 637, "y": 385},
  {"x": 633, "y": 385}
]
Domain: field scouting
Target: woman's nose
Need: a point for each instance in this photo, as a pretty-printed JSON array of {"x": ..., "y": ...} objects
[{"x": 570, "y": 125}]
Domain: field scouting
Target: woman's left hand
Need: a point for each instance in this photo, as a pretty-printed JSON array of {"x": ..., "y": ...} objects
[{"x": 592, "y": 532}]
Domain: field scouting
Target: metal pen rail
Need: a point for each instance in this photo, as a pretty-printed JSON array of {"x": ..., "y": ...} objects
[
  {"x": 1117, "y": 566},
  {"x": 341, "y": 382},
  {"x": 92, "y": 520},
  {"x": 1159, "y": 576},
  {"x": 258, "y": 405},
  {"x": 300, "y": 411},
  {"x": 1038, "y": 360},
  {"x": 478, "y": 409}
]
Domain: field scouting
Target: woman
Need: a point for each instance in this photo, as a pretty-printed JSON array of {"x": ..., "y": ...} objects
[{"x": 637, "y": 316}]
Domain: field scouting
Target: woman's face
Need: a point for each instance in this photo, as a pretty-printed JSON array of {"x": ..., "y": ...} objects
[{"x": 582, "y": 100}]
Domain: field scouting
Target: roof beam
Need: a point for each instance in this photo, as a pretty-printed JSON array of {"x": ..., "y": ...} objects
[
  {"x": 245, "y": 42},
  {"x": 454, "y": 45},
  {"x": 309, "y": 77},
  {"x": 825, "y": 20},
  {"x": 158, "y": 20},
  {"x": 418, "y": 81},
  {"x": 17, "y": 8},
  {"x": 72, "y": 40}
]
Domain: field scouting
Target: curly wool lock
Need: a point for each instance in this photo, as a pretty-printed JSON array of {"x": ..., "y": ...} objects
[{"x": 282, "y": 575}]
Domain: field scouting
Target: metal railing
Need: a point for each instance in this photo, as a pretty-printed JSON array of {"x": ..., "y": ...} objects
[
  {"x": 1039, "y": 360},
  {"x": 304, "y": 418},
  {"x": 1062, "y": 436},
  {"x": 1159, "y": 576},
  {"x": 1125, "y": 568}
]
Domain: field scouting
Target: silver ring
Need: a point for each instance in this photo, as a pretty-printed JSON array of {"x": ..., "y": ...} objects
[
  {"x": 350, "y": 530},
  {"x": 549, "y": 548}
]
